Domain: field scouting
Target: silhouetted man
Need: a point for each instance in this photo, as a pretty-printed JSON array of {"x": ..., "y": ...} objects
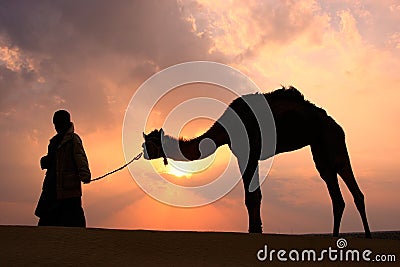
[{"x": 67, "y": 166}]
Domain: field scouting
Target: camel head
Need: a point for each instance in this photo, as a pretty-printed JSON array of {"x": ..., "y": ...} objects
[{"x": 152, "y": 146}]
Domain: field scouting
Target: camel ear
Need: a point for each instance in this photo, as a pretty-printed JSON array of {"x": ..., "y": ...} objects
[
  {"x": 162, "y": 132},
  {"x": 144, "y": 136}
]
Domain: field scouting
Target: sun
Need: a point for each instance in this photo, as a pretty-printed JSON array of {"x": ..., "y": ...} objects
[{"x": 170, "y": 169}]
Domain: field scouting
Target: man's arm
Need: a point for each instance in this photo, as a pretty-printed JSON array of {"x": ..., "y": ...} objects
[{"x": 81, "y": 160}]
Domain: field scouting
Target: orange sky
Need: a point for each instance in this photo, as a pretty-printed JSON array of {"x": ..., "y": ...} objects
[{"x": 90, "y": 58}]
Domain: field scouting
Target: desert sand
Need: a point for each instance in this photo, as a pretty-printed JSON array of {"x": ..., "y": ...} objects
[{"x": 59, "y": 246}]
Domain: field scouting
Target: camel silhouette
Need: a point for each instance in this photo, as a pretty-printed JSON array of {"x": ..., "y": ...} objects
[{"x": 298, "y": 123}]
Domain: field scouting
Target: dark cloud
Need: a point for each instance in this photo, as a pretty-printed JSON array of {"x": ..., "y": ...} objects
[
  {"x": 75, "y": 46},
  {"x": 149, "y": 30}
]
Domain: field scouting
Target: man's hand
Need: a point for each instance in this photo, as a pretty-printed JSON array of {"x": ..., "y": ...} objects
[
  {"x": 44, "y": 162},
  {"x": 87, "y": 181}
]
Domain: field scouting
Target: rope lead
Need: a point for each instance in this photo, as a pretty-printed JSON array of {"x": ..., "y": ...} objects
[{"x": 138, "y": 156}]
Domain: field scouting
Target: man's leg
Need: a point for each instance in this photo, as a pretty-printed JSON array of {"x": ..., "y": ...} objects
[{"x": 71, "y": 213}]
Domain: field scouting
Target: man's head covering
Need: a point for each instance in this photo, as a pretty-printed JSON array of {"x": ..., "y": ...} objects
[
  {"x": 61, "y": 116},
  {"x": 62, "y": 121}
]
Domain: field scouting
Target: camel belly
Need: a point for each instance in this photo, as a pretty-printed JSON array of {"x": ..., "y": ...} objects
[{"x": 294, "y": 130}]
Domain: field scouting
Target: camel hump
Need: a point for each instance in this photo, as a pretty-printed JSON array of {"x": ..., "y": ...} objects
[
  {"x": 290, "y": 93},
  {"x": 279, "y": 99}
]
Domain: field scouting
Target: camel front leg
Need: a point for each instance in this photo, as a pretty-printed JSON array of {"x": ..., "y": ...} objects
[
  {"x": 253, "y": 194},
  {"x": 253, "y": 205}
]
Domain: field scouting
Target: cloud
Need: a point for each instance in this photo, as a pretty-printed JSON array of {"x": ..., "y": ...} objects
[{"x": 242, "y": 27}]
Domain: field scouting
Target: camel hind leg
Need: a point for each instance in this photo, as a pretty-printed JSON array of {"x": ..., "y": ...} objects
[
  {"x": 345, "y": 171},
  {"x": 330, "y": 155},
  {"x": 327, "y": 172}
]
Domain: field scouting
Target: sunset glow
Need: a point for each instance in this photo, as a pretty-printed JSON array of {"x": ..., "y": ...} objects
[{"x": 177, "y": 172}]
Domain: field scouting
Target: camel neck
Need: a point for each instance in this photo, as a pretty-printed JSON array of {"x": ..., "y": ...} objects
[{"x": 197, "y": 148}]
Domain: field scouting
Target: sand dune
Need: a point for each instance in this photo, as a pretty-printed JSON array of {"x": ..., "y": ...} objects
[{"x": 52, "y": 246}]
